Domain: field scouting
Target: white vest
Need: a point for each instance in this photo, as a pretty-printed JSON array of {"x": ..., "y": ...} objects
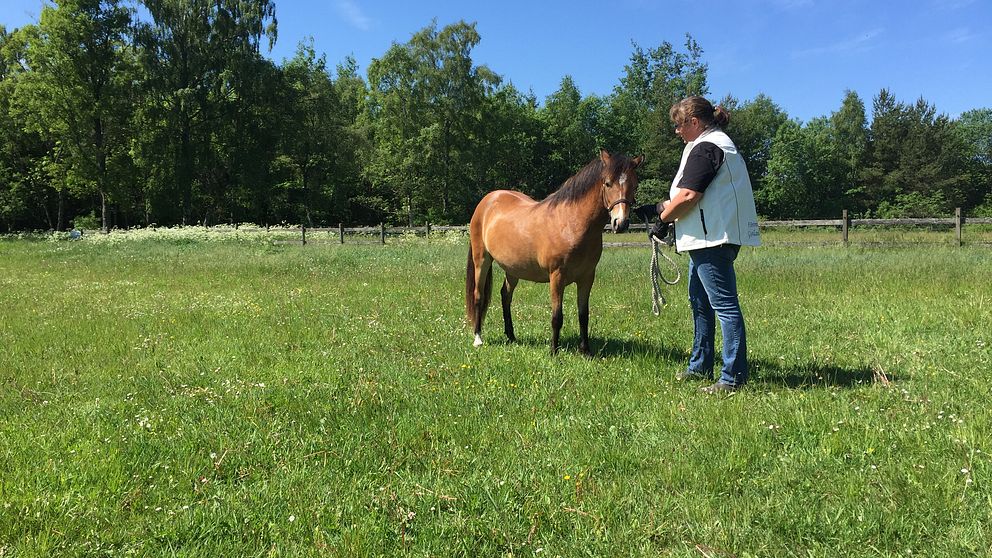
[{"x": 726, "y": 213}]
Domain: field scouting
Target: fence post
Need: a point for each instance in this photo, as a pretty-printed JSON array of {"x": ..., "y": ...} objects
[
  {"x": 382, "y": 232},
  {"x": 844, "y": 227},
  {"x": 428, "y": 235},
  {"x": 303, "y": 231},
  {"x": 341, "y": 231},
  {"x": 958, "y": 221}
]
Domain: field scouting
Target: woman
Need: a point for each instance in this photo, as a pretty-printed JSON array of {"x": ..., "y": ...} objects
[{"x": 712, "y": 207}]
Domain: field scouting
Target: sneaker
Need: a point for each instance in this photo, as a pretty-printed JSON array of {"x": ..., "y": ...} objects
[
  {"x": 690, "y": 376},
  {"x": 719, "y": 387}
]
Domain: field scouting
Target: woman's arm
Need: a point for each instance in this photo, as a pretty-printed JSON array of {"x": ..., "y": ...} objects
[{"x": 680, "y": 205}]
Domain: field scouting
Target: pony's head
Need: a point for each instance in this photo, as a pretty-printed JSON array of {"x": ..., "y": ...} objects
[{"x": 619, "y": 187}]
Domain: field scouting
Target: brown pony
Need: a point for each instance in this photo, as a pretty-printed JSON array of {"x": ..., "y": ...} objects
[{"x": 557, "y": 240}]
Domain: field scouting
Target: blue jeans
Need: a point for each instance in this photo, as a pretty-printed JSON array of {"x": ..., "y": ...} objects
[{"x": 713, "y": 291}]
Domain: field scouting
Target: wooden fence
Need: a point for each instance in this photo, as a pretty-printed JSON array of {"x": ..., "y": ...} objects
[
  {"x": 379, "y": 232},
  {"x": 844, "y": 224}
]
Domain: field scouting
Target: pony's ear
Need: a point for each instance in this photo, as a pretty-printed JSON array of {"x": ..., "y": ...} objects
[
  {"x": 636, "y": 161},
  {"x": 604, "y": 155}
]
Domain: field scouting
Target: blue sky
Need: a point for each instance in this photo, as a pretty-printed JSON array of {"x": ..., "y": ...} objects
[{"x": 802, "y": 53}]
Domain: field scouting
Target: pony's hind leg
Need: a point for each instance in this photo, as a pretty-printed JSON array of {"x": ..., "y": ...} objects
[
  {"x": 506, "y": 296},
  {"x": 483, "y": 292}
]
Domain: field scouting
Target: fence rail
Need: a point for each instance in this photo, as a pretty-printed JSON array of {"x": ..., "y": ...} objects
[
  {"x": 378, "y": 234},
  {"x": 845, "y": 223}
]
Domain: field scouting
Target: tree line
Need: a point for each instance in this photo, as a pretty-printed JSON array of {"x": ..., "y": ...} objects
[{"x": 110, "y": 119}]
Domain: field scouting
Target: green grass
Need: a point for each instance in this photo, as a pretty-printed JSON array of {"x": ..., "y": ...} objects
[{"x": 239, "y": 399}]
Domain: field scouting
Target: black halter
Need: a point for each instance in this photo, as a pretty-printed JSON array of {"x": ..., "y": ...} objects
[
  {"x": 609, "y": 207},
  {"x": 618, "y": 202}
]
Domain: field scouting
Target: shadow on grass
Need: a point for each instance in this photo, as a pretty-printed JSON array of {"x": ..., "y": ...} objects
[
  {"x": 765, "y": 374},
  {"x": 604, "y": 348},
  {"x": 810, "y": 375},
  {"x": 609, "y": 348}
]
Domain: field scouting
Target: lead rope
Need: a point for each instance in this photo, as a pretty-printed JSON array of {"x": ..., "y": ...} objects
[{"x": 657, "y": 298}]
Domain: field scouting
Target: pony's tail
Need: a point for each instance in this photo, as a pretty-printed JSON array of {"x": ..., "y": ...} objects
[{"x": 487, "y": 291}]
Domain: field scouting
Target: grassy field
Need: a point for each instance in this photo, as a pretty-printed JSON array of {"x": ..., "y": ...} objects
[{"x": 192, "y": 398}]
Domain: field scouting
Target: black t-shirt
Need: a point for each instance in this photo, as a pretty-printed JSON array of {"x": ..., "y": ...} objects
[{"x": 701, "y": 167}]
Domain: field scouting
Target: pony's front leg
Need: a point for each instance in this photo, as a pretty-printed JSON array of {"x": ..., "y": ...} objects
[
  {"x": 506, "y": 296},
  {"x": 557, "y": 290},
  {"x": 584, "y": 287}
]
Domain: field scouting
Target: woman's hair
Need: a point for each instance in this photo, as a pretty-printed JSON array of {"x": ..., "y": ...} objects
[{"x": 700, "y": 108}]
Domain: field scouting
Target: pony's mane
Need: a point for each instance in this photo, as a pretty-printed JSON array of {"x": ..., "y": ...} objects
[{"x": 579, "y": 184}]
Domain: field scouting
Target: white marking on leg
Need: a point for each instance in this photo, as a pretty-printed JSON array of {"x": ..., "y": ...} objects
[{"x": 478, "y": 341}]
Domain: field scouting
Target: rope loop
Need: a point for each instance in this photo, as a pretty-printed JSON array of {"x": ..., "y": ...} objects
[{"x": 657, "y": 297}]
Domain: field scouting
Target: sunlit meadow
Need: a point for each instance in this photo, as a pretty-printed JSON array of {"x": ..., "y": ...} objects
[{"x": 196, "y": 395}]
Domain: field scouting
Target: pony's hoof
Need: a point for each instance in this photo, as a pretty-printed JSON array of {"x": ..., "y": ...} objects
[{"x": 478, "y": 341}]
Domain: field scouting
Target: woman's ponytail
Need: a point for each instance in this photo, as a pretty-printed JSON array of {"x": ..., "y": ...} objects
[{"x": 720, "y": 116}]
